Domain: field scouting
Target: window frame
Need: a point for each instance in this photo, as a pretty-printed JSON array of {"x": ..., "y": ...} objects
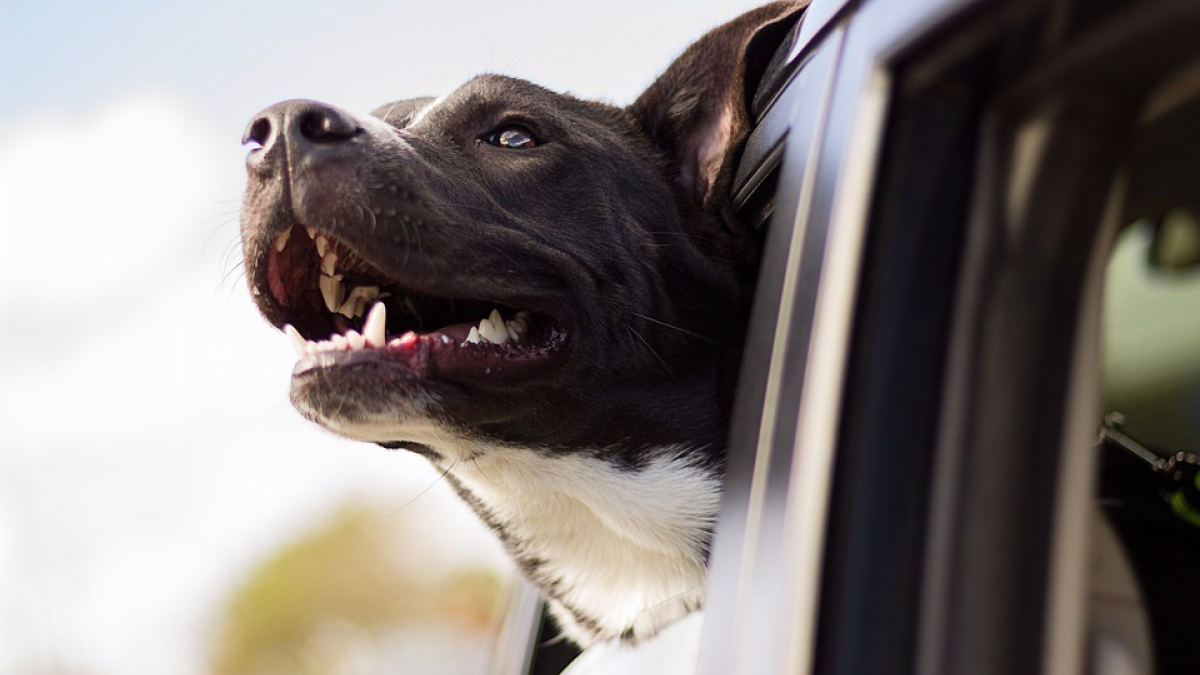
[{"x": 998, "y": 562}]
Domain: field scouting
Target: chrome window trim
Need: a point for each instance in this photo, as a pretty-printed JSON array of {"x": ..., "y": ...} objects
[{"x": 730, "y": 633}]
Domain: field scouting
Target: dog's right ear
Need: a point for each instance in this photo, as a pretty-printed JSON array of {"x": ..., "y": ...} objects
[{"x": 697, "y": 112}]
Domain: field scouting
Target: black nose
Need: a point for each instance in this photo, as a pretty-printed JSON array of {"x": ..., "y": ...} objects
[{"x": 307, "y": 129}]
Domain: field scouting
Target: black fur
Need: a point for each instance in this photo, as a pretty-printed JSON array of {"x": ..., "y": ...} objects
[{"x": 617, "y": 224}]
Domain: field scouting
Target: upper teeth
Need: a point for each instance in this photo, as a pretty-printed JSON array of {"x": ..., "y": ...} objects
[
  {"x": 282, "y": 240},
  {"x": 332, "y": 291},
  {"x": 492, "y": 330}
]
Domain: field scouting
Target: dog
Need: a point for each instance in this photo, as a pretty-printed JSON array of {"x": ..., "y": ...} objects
[{"x": 544, "y": 296}]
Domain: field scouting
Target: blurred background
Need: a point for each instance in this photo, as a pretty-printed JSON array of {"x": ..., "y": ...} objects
[{"x": 162, "y": 508}]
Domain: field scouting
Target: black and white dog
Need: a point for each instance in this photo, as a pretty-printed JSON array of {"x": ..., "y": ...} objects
[{"x": 545, "y": 296}]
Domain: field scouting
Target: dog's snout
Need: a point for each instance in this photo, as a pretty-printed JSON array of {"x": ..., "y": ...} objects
[{"x": 303, "y": 127}]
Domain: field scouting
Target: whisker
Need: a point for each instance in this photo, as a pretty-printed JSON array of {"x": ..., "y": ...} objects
[
  {"x": 437, "y": 480},
  {"x": 557, "y": 640},
  {"x": 698, "y": 336},
  {"x": 669, "y": 600},
  {"x": 666, "y": 366},
  {"x": 390, "y": 110}
]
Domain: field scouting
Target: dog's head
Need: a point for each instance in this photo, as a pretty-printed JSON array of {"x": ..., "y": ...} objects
[
  {"x": 552, "y": 288},
  {"x": 552, "y": 272}
]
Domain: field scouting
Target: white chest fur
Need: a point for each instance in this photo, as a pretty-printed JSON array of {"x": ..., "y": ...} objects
[{"x": 621, "y": 548}]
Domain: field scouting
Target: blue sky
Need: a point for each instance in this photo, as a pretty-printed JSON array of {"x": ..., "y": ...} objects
[
  {"x": 228, "y": 57},
  {"x": 148, "y": 455}
]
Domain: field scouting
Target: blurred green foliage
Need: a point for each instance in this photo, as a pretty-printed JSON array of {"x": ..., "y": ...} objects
[{"x": 347, "y": 584}]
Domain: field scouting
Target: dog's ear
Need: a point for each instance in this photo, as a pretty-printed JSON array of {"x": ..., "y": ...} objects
[{"x": 698, "y": 110}]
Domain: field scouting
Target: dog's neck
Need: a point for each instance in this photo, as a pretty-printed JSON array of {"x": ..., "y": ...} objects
[
  {"x": 617, "y": 540},
  {"x": 621, "y": 549}
]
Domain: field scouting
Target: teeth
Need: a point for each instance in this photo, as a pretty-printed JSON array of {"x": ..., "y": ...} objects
[
  {"x": 282, "y": 240},
  {"x": 375, "y": 328},
  {"x": 332, "y": 291},
  {"x": 297, "y": 340},
  {"x": 312, "y": 232},
  {"x": 356, "y": 303},
  {"x": 329, "y": 263},
  {"x": 490, "y": 332},
  {"x": 516, "y": 328},
  {"x": 322, "y": 245}
]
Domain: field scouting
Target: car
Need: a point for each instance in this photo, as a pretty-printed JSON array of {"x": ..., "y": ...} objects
[{"x": 971, "y": 385}]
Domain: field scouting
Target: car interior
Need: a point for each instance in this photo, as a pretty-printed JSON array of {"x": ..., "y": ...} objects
[{"x": 967, "y": 432}]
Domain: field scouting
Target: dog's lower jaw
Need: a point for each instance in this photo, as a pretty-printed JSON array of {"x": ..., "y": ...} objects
[{"x": 619, "y": 551}]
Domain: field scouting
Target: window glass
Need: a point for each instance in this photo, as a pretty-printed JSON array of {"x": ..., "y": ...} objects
[{"x": 1152, "y": 330}]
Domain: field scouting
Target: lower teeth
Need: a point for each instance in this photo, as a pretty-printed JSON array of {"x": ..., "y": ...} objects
[{"x": 492, "y": 330}]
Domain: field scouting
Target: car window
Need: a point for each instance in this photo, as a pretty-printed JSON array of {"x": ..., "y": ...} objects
[{"x": 1150, "y": 396}]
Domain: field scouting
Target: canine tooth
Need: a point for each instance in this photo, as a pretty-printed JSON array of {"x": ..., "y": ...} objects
[
  {"x": 298, "y": 341},
  {"x": 282, "y": 240},
  {"x": 356, "y": 341},
  {"x": 332, "y": 291},
  {"x": 473, "y": 336},
  {"x": 329, "y": 263},
  {"x": 375, "y": 328},
  {"x": 312, "y": 232},
  {"x": 322, "y": 245}
]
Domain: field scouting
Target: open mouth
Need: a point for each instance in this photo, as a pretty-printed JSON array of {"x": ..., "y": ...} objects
[{"x": 339, "y": 309}]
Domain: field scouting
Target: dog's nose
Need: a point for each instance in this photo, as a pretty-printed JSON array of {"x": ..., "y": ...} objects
[{"x": 305, "y": 128}]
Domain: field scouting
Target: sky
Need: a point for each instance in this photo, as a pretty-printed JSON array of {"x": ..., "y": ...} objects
[{"x": 148, "y": 455}]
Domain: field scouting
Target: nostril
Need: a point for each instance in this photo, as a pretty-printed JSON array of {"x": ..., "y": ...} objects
[
  {"x": 324, "y": 125},
  {"x": 259, "y": 132}
]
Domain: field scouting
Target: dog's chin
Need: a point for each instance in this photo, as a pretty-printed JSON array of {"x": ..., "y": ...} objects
[
  {"x": 418, "y": 390},
  {"x": 365, "y": 402}
]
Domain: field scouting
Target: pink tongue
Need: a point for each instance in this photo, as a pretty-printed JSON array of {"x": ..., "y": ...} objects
[
  {"x": 458, "y": 332},
  {"x": 433, "y": 355}
]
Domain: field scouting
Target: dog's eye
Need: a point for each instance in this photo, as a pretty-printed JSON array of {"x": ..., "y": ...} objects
[{"x": 514, "y": 137}]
